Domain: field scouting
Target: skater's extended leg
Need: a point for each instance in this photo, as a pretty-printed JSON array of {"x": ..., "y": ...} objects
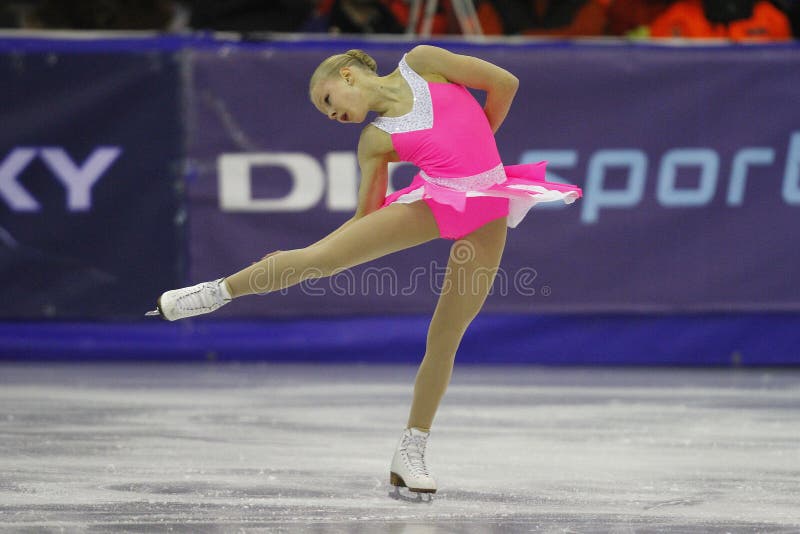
[
  {"x": 387, "y": 230},
  {"x": 390, "y": 229},
  {"x": 472, "y": 267}
]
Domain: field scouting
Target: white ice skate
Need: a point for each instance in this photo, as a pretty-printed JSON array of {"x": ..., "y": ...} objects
[
  {"x": 408, "y": 467},
  {"x": 191, "y": 301}
]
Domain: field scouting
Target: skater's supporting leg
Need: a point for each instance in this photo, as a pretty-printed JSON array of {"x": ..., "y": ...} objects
[
  {"x": 390, "y": 229},
  {"x": 471, "y": 271}
]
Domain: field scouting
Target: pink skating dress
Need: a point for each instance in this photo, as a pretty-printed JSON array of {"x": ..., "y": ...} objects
[{"x": 447, "y": 135}]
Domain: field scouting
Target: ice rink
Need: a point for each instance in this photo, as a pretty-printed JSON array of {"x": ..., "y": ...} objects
[{"x": 276, "y": 448}]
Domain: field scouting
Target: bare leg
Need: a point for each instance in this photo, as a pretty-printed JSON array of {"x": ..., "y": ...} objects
[
  {"x": 390, "y": 229},
  {"x": 472, "y": 267}
]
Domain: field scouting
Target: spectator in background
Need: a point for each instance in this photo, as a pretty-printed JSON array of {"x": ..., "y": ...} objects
[
  {"x": 101, "y": 15},
  {"x": 633, "y": 17},
  {"x": 739, "y": 20},
  {"x": 393, "y": 16},
  {"x": 250, "y": 15},
  {"x": 362, "y": 16},
  {"x": 732, "y": 19},
  {"x": 551, "y": 17},
  {"x": 443, "y": 19}
]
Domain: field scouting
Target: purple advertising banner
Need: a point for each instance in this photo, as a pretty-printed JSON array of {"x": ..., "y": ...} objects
[
  {"x": 689, "y": 159},
  {"x": 90, "y": 161}
]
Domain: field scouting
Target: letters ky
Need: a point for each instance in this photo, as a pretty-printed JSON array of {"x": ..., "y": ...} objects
[{"x": 77, "y": 179}]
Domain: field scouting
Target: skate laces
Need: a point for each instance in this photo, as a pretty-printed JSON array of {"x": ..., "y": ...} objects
[
  {"x": 205, "y": 296},
  {"x": 413, "y": 448}
]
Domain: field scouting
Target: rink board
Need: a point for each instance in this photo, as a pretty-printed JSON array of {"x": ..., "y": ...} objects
[{"x": 734, "y": 340}]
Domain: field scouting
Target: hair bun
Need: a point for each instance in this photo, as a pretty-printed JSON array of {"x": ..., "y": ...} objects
[{"x": 364, "y": 58}]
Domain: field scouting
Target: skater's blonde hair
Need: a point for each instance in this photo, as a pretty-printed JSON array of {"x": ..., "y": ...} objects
[{"x": 332, "y": 65}]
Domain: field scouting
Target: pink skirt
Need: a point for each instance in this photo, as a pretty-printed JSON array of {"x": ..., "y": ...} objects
[{"x": 462, "y": 205}]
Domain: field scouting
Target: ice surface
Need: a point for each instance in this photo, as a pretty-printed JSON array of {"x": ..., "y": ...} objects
[{"x": 227, "y": 448}]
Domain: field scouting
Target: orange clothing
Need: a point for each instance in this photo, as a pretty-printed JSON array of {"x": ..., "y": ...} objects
[
  {"x": 402, "y": 12},
  {"x": 489, "y": 19},
  {"x": 686, "y": 18},
  {"x": 768, "y": 23}
]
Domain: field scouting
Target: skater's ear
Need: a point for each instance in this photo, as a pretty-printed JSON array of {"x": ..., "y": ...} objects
[{"x": 348, "y": 75}]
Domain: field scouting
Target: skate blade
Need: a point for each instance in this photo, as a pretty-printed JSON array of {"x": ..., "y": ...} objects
[
  {"x": 397, "y": 481},
  {"x": 404, "y": 494},
  {"x": 157, "y": 312}
]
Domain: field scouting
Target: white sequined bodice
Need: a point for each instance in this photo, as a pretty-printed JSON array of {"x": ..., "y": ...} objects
[
  {"x": 421, "y": 115},
  {"x": 477, "y": 182}
]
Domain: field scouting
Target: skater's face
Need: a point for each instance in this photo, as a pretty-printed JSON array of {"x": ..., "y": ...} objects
[{"x": 339, "y": 97}]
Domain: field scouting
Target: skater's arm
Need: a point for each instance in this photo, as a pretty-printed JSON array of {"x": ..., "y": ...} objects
[
  {"x": 499, "y": 84},
  {"x": 373, "y": 160},
  {"x": 374, "y": 153}
]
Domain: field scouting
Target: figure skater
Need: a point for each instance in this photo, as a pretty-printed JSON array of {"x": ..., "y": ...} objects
[{"x": 463, "y": 193}]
